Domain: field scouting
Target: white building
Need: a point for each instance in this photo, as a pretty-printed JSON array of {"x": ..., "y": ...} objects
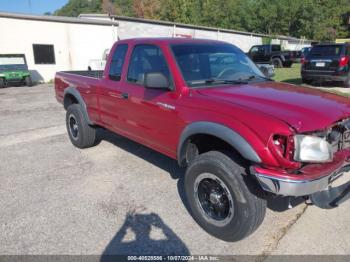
[{"x": 52, "y": 43}]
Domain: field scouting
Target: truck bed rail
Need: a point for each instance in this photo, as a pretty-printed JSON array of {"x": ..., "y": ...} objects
[{"x": 88, "y": 73}]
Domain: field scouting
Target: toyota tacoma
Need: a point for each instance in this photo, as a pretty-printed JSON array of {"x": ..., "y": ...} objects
[{"x": 241, "y": 136}]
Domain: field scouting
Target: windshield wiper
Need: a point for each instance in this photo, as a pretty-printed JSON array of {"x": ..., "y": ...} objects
[
  {"x": 218, "y": 81},
  {"x": 257, "y": 76}
]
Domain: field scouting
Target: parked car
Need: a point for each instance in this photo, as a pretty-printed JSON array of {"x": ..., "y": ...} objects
[
  {"x": 205, "y": 104},
  {"x": 14, "y": 69},
  {"x": 272, "y": 54},
  {"x": 327, "y": 62}
]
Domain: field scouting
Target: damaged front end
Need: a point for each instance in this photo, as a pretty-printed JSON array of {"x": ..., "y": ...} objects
[{"x": 325, "y": 183}]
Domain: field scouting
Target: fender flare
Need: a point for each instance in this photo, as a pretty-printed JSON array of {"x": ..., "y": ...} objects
[
  {"x": 75, "y": 93},
  {"x": 220, "y": 131}
]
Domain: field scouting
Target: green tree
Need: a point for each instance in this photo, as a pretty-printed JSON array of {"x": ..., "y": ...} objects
[
  {"x": 76, "y": 7},
  {"x": 313, "y": 19}
]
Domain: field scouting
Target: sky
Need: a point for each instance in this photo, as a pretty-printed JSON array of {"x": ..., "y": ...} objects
[{"x": 37, "y": 7}]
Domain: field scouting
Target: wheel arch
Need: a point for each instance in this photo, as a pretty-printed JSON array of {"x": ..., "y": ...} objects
[
  {"x": 281, "y": 57},
  {"x": 219, "y": 131},
  {"x": 72, "y": 96}
]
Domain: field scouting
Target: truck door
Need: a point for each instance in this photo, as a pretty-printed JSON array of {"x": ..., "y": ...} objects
[
  {"x": 151, "y": 114},
  {"x": 111, "y": 101}
]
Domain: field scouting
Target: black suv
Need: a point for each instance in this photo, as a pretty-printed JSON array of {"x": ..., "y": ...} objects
[{"x": 327, "y": 62}]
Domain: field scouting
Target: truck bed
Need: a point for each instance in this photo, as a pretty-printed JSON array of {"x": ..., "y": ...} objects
[
  {"x": 79, "y": 79},
  {"x": 89, "y": 73}
]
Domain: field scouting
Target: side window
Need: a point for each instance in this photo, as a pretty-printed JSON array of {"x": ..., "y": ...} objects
[
  {"x": 264, "y": 49},
  {"x": 146, "y": 59},
  {"x": 276, "y": 48},
  {"x": 117, "y": 62}
]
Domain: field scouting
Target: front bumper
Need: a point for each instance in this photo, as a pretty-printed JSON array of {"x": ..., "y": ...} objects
[{"x": 310, "y": 179}]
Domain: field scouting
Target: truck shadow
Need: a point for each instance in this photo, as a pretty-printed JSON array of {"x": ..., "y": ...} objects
[
  {"x": 149, "y": 155},
  {"x": 277, "y": 204},
  {"x": 143, "y": 234},
  {"x": 281, "y": 204}
]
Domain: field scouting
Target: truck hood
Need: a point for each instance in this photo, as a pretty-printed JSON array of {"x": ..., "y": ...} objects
[{"x": 305, "y": 109}]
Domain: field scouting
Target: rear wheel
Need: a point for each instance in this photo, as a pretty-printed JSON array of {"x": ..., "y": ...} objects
[
  {"x": 28, "y": 81},
  {"x": 277, "y": 62},
  {"x": 81, "y": 134},
  {"x": 2, "y": 83},
  {"x": 224, "y": 203}
]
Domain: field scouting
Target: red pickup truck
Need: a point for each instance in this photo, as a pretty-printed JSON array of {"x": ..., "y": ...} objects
[{"x": 242, "y": 136}]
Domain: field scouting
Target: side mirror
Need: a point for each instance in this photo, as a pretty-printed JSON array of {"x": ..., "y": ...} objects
[{"x": 156, "y": 80}]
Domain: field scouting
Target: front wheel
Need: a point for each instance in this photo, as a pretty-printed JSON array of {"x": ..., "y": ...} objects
[
  {"x": 28, "y": 81},
  {"x": 2, "y": 83},
  {"x": 224, "y": 202}
]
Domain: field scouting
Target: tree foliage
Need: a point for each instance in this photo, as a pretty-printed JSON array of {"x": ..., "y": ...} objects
[{"x": 313, "y": 19}]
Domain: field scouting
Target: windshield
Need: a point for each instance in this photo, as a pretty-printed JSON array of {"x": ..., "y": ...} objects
[
  {"x": 208, "y": 64},
  {"x": 326, "y": 50},
  {"x": 12, "y": 63}
]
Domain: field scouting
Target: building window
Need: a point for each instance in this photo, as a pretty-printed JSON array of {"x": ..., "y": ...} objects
[{"x": 44, "y": 54}]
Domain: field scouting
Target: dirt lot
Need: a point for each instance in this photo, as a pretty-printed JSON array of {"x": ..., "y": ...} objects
[{"x": 120, "y": 197}]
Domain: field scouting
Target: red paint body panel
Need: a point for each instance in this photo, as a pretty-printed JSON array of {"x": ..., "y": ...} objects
[{"x": 255, "y": 111}]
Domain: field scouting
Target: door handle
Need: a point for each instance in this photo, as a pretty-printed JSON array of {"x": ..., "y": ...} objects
[{"x": 120, "y": 96}]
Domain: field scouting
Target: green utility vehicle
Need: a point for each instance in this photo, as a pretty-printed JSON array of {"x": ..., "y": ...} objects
[{"x": 14, "y": 69}]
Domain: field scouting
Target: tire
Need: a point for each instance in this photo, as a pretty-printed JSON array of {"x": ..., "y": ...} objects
[
  {"x": 248, "y": 205},
  {"x": 2, "y": 83},
  {"x": 28, "y": 81},
  {"x": 80, "y": 133},
  {"x": 277, "y": 62}
]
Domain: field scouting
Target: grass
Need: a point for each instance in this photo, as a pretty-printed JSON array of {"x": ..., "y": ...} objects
[
  {"x": 292, "y": 76},
  {"x": 289, "y": 75}
]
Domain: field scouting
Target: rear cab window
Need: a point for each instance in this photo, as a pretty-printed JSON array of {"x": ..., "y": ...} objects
[{"x": 117, "y": 62}]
